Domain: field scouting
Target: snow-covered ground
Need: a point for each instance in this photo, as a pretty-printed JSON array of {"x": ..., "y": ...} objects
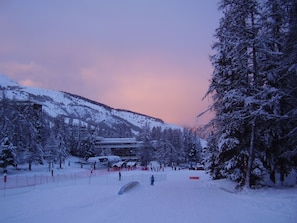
[{"x": 174, "y": 198}]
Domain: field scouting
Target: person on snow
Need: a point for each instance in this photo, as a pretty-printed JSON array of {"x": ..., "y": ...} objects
[{"x": 152, "y": 180}]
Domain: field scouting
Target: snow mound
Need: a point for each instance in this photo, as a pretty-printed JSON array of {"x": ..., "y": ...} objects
[{"x": 128, "y": 187}]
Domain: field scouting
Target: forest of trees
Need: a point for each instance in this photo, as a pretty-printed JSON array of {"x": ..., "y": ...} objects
[
  {"x": 170, "y": 146},
  {"x": 254, "y": 92},
  {"x": 28, "y": 135}
]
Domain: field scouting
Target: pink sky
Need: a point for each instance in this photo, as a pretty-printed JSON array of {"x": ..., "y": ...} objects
[{"x": 151, "y": 57}]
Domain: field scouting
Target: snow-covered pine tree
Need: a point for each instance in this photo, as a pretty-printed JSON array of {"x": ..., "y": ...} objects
[
  {"x": 190, "y": 151},
  {"x": 7, "y": 153},
  {"x": 146, "y": 152},
  {"x": 61, "y": 137},
  {"x": 90, "y": 139},
  {"x": 163, "y": 152},
  {"x": 50, "y": 150},
  {"x": 177, "y": 143},
  {"x": 170, "y": 142},
  {"x": 254, "y": 91},
  {"x": 160, "y": 152},
  {"x": 268, "y": 94},
  {"x": 234, "y": 67},
  {"x": 23, "y": 124},
  {"x": 191, "y": 146},
  {"x": 287, "y": 156},
  {"x": 156, "y": 133}
]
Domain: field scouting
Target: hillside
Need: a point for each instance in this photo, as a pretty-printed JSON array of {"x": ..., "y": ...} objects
[{"x": 77, "y": 108}]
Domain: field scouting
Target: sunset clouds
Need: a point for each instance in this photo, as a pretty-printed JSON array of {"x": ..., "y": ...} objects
[{"x": 150, "y": 57}]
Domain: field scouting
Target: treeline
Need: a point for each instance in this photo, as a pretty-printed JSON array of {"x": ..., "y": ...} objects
[
  {"x": 254, "y": 92},
  {"x": 29, "y": 135},
  {"x": 169, "y": 146}
]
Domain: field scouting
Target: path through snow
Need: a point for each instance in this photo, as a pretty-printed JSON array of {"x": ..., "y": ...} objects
[{"x": 173, "y": 198}]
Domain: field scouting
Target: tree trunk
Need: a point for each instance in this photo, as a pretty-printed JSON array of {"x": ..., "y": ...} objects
[
  {"x": 250, "y": 158},
  {"x": 30, "y": 165}
]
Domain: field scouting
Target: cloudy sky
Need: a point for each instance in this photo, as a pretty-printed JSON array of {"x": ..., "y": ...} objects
[{"x": 147, "y": 56}]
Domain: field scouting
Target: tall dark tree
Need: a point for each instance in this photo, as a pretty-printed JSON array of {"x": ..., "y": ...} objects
[
  {"x": 288, "y": 84},
  {"x": 90, "y": 141},
  {"x": 234, "y": 69},
  {"x": 146, "y": 151},
  {"x": 32, "y": 134},
  {"x": 62, "y": 138},
  {"x": 7, "y": 154},
  {"x": 249, "y": 92},
  {"x": 192, "y": 146}
]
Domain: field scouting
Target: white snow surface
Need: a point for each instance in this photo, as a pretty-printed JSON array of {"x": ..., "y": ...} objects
[{"x": 174, "y": 198}]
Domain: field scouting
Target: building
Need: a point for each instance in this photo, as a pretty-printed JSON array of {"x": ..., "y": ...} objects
[{"x": 124, "y": 147}]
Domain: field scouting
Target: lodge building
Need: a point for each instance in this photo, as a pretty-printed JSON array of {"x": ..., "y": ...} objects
[{"x": 123, "y": 147}]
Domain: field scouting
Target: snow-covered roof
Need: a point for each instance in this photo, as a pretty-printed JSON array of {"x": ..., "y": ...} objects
[
  {"x": 131, "y": 163},
  {"x": 118, "y": 164},
  {"x": 116, "y": 140}
]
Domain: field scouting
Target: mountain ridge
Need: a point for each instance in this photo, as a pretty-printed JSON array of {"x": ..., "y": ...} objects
[{"x": 79, "y": 108}]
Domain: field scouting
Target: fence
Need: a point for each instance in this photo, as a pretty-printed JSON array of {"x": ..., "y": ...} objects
[{"x": 102, "y": 178}]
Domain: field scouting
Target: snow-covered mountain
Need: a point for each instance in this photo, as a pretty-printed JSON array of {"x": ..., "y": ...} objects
[{"x": 77, "y": 108}]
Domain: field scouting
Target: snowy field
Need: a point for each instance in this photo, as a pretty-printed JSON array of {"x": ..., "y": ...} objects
[{"x": 175, "y": 198}]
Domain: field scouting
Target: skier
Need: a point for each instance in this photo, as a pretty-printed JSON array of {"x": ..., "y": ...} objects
[
  {"x": 120, "y": 175},
  {"x": 152, "y": 180}
]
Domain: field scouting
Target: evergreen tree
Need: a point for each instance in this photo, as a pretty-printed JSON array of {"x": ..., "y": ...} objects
[
  {"x": 50, "y": 150},
  {"x": 146, "y": 151},
  {"x": 234, "y": 67},
  {"x": 156, "y": 133},
  {"x": 7, "y": 153},
  {"x": 61, "y": 137},
  {"x": 177, "y": 142},
  {"x": 31, "y": 138},
  {"x": 287, "y": 156},
  {"x": 189, "y": 147},
  {"x": 251, "y": 98},
  {"x": 192, "y": 146},
  {"x": 90, "y": 143}
]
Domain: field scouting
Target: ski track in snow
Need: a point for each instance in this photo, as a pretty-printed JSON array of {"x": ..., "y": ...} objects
[{"x": 174, "y": 198}]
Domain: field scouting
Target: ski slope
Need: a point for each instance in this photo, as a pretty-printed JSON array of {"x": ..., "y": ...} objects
[{"x": 174, "y": 198}]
